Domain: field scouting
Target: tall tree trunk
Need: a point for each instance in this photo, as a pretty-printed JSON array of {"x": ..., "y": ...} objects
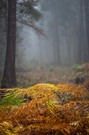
[
  {"x": 9, "y": 77},
  {"x": 85, "y": 32},
  {"x": 57, "y": 43},
  {"x": 86, "y": 7}
]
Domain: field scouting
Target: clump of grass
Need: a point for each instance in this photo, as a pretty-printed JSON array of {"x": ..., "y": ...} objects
[
  {"x": 29, "y": 85},
  {"x": 75, "y": 66},
  {"x": 51, "y": 69},
  {"x": 11, "y": 98}
]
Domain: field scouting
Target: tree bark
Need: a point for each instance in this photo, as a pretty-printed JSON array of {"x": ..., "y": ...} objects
[
  {"x": 86, "y": 7},
  {"x": 9, "y": 76}
]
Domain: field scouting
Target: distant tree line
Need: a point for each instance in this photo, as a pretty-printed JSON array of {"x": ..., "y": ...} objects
[{"x": 69, "y": 29}]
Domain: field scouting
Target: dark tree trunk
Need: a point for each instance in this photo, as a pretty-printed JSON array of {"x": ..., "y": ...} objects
[{"x": 9, "y": 77}]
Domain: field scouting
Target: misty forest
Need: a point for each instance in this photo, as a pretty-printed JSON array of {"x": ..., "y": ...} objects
[{"x": 44, "y": 67}]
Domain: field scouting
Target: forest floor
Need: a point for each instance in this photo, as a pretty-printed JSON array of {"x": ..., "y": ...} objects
[
  {"x": 47, "y": 101},
  {"x": 52, "y": 74}
]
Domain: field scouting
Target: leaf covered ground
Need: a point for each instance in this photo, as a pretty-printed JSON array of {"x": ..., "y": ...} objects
[
  {"x": 48, "y": 102},
  {"x": 51, "y": 74},
  {"x": 45, "y": 109}
]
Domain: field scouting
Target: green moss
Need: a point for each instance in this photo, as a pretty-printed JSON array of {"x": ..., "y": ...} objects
[
  {"x": 11, "y": 98},
  {"x": 29, "y": 85}
]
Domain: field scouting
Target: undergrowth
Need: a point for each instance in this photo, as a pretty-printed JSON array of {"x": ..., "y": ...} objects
[{"x": 45, "y": 109}]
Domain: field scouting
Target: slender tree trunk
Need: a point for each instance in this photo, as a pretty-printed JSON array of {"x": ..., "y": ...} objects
[
  {"x": 85, "y": 32},
  {"x": 57, "y": 43},
  {"x": 86, "y": 8},
  {"x": 9, "y": 77},
  {"x": 81, "y": 49}
]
